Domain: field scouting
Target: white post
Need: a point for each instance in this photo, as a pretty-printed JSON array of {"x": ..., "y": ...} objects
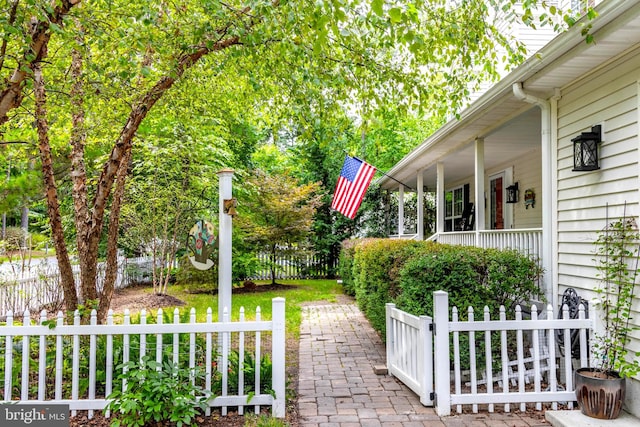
[
  {"x": 224, "y": 244},
  {"x": 441, "y": 370},
  {"x": 400, "y": 210},
  {"x": 278, "y": 355},
  {"x": 440, "y": 200},
  {"x": 420, "y": 226},
  {"x": 479, "y": 184}
]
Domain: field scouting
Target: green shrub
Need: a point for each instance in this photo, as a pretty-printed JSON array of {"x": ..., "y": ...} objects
[
  {"x": 156, "y": 393},
  {"x": 408, "y": 272},
  {"x": 376, "y": 267}
]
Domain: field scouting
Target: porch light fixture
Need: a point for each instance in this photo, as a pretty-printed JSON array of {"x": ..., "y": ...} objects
[
  {"x": 585, "y": 150},
  {"x": 512, "y": 193}
]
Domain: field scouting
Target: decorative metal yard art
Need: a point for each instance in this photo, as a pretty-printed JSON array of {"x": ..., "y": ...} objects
[{"x": 201, "y": 243}]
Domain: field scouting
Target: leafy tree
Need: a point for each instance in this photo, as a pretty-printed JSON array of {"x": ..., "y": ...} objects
[
  {"x": 277, "y": 213},
  {"x": 92, "y": 72}
]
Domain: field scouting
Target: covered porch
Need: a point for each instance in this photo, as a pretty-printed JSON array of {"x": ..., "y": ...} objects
[{"x": 488, "y": 175}]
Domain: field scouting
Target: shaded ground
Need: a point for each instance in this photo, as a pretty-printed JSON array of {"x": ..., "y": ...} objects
[{"x": 136, "y": 298}]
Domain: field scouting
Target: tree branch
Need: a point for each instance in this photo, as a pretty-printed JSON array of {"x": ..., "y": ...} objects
[{"x": 12, "y": 94}]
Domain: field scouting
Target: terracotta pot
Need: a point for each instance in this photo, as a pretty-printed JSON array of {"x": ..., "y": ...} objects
[{"x": 599, "y": 395}]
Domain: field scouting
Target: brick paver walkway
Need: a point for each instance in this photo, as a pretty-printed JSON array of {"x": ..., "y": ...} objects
[{"x": 338, "y": 388}]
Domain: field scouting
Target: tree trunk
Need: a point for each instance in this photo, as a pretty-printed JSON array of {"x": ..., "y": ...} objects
[
  {"x": 51, "y": 193},
  {"x": 88, "y": 262},
  {"x": 111, "y": 270}
]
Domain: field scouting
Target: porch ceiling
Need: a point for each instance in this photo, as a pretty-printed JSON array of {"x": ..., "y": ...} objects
[
  {"x": 511, "y": 127},
  {"x": 504, "y": 142}
]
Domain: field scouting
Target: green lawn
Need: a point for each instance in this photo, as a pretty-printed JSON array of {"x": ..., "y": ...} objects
[{"x": 300, "y": 292}]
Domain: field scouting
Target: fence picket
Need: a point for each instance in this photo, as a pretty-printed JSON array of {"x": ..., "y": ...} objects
[
  {"x": 143, "y": 337},
  {"x": 59, "y": 354},
  {"x": 176, "y": 337},
  {"x": 42, "y": 360},
  {"x": 125, "y": 349},
  {"x": 192, "y": 348},
  {"x": 488, "y": 357},
  {"x": 26, "y": 320},
  {"x": 208, "y": 360},
  {"x": 75, "y": 371},
  {"x": 159, "y": 340},
  {"x": 456, "y": 357},
  {"x": 472, "y": 359},
  {"x": 537, "y": 377},
  {"x": 257, "y": 356},
  {"x": 92, "y": 360},
  {"x": 108, "y": 387},
  {"x": 8, "y": 357},
  {"x": 504, "y": 356},
  {"x": 551, "y": 345}
]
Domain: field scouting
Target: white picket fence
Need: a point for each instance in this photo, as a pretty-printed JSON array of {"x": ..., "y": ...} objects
[
  {"x": 41, "y": 286},
  {"x": 524, "y": 368},
  {"x": 36, "y": 365}
]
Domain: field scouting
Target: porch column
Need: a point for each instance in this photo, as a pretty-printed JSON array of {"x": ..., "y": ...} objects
[
  {"x": 479, "y": 184},
  {"x": 400, "y": 210},
  {"x": 420, "y": 230},
  {"x": 547, "y": 196},
  {"x": 440, "y": 197}
]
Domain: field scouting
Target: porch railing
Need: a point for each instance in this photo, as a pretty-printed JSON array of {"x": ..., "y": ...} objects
[{"x": 527, "y": 241}]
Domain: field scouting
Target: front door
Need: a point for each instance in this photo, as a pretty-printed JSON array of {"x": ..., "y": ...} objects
[{"x": 497, "y": 202}]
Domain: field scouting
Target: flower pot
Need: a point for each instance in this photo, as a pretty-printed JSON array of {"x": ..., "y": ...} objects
[{"x": 599, "y": 395}]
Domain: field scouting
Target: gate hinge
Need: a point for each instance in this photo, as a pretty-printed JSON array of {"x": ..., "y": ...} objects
[
  {"x": 432, "y": 327},
  {"x": 433, "y": 397}
]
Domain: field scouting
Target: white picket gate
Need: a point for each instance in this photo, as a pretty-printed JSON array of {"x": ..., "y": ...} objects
[
  {"x": 522, "y": 369},
  {"x": 40, "y": 375},
  {"x": 409, "y": 345}
]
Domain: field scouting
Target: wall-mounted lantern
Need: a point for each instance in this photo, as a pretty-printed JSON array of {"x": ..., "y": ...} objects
[
  {"x": 512, "y": 193},
  {"x": 585, "y": 150}
]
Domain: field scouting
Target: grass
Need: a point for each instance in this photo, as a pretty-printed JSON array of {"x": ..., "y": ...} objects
[{"x": 300, "y": 292}]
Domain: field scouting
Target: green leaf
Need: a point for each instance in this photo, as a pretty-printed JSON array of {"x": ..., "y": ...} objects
[
  {"x": 395, "y": 14},
  {"x": 376, "y": 6}
]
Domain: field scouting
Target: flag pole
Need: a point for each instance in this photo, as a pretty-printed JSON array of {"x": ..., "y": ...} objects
[{"x": 383, "y": 173}]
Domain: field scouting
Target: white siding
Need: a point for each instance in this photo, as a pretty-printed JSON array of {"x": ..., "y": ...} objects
[
  {"x": 527, "y": 172},
  {"x": 608, "y": 97}
]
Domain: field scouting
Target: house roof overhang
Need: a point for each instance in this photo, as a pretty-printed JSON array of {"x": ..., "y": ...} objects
[{"x": 503, "y": 120}]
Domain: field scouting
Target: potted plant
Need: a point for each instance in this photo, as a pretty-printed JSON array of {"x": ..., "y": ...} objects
[{"x": 600, "y": 389}]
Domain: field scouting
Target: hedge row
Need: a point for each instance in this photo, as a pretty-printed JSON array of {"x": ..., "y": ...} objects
[{"x": 407, "y": 272}]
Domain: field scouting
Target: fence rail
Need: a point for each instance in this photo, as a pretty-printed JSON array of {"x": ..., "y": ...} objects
[{"x": 36, "y": 365}]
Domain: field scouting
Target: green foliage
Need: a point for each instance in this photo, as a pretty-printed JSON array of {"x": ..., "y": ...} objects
[
  {"x": 156, "y": 394},
  {"x": 618, "y": 254},
  {"x": 279, "y": 213},
  {"x": 262, "y": 420},
  {"x": 472, "y": 276},
  {"x": 408, "y": 272},
  {"x": 248, "y": 368},
  {"x": 376, "y": 273}
]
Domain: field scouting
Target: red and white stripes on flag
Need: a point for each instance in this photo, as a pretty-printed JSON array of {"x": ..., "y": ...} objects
[{"x": 354, "y": 180}]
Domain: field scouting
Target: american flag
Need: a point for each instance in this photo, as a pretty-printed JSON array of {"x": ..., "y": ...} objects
[{"x": 354, "y": 180}]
